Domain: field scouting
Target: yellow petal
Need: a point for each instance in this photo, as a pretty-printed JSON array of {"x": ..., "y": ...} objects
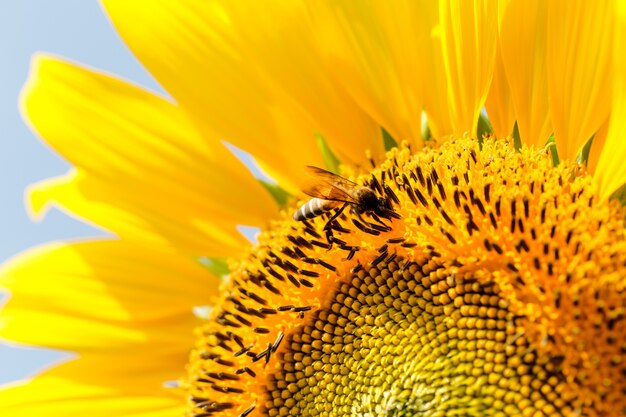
[
  {"x": 436, "y": 84},
  {"x": 499, "y": 104},
  {"x": 100, "y": 295},
  {"x": 523, "y": 33},
  {"x": 251, "y": 76},
  {"x": 137, "y": 152},
  {"x": 610, "y": 172},
  {"x": 579, "y": 53},
  {"x": 469, "y": 34},
  {"x": 119, "y": 384},
  {"x": 106, "y": 204},
  {"x": 376, "y": 50}
]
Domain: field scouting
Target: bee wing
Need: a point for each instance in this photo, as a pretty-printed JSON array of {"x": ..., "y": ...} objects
[{"x": 328, "y": 186}]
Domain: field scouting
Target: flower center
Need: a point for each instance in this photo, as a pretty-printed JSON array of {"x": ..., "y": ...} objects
[{"x": 496, "y": 288}]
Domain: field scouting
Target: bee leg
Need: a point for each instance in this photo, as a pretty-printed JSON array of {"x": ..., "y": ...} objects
[
  {"x": 329, "y": 237},
  {"x": 360, "y": 218},
  {"x": 369, "y": 224},
  {"x": 334, "y": 216},
  {"x": 377, "y": 219},
  {"x": 328, "y": 227}
]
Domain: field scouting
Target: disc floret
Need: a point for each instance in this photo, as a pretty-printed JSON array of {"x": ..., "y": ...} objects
[{"x": 496, "y": 288}]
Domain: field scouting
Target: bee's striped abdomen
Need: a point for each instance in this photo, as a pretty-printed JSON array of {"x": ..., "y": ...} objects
[{"x": 313, "y": 208}]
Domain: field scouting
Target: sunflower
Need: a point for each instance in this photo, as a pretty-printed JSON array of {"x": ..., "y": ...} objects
[{"x": 487, "y": 278}]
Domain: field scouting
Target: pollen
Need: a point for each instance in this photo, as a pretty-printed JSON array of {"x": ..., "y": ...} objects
[{"x": 497, "y": 287}]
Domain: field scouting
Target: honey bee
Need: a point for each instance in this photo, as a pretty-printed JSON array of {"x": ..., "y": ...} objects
[{"x": 330, "y": 191}]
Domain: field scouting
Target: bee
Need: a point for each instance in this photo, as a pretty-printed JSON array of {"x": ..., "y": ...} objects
[{"x": 330, "y": 191}]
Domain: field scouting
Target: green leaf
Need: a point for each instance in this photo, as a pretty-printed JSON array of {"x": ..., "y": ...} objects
[
  {"x": 331, "y": 162},
  {"x": 388, "y": 140},
  {"x": 280, "y": 195},
  {"x": 218, "y": 266}
]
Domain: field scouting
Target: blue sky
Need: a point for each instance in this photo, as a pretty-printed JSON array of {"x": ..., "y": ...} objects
[{"x": 80, "y": 31}]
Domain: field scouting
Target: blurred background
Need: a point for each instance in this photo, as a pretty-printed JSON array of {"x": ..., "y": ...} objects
[{"x": 78, "y": 30}]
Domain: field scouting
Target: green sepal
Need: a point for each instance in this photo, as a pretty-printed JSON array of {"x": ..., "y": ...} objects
[
  {"x": 277, "y": 192},
  {"x": 517, "y": 140},
  {"x": 331, "y": 161},
  {"x": 202, "y": 312},
  {"x": 426, "y": 133},
  {"x": 583, "y": 156},
  {"x": 620, "y": 195},
  {"x": 388, "y": 140},
  {"x": 425, "y": 128},
  {"x": 484, "y": 127},
  {"x": 218, "y": 266},
  {"x": 551, "y": 144}
]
